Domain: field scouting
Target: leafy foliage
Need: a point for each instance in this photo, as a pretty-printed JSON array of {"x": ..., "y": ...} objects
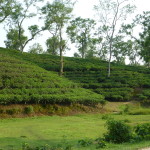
[
  {"x": 12, "y": 41},
  {"x": 52, "y": 45},
  {"x": 118, "y": 132},
  {"x": 80, "y": 33},
  {"x": 143, "y": 130},
  {"x": 16, "y": 38},
  {"x": 145, "y": 36},
  {"x": 36, "y": 49},
  {"x": 6, "y": 9}
]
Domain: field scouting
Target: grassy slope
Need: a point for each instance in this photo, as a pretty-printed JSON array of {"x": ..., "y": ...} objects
[
  {"x": 53, "y": 130},
  {"x": 125, "y": 83},
  {"x": 24, "y": 82}
]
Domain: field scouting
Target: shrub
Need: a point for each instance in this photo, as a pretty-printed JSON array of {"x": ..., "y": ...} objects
[
  {"x": 118, "y": 131},
  {"x": 100, "y": 143},
  {"x": 28, "y": 110},
  {"x": 106, "y": 117},
  {"x": 145, "y": 103},
  {"x": 1, "y": 111},
  {"x": 85, "y": 143},
  {"x": 103, "y": 103},
  {"x": 124, "y": 109},
  {"x": 143, "y": 130},
  {"x": 12, "y": 111}
]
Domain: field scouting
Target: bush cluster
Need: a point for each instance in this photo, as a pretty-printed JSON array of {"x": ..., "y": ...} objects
[
  {"x": 119, "y": 132},
  {"x": 143, "y": 131}
]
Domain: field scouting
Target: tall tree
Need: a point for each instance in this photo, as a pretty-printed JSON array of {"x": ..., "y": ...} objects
[
  {"x": 110, "y": 13},
  {"x": 56, "y": 16},
  {"x": 144, "y": 41},
  {"x": 139, "y": 44},
  {"x": 80, "y": 33},
  {"x": 22, "y": 13}
]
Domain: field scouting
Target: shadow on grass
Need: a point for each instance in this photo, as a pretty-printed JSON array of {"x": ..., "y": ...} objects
[{"x": 14, "y": 143}]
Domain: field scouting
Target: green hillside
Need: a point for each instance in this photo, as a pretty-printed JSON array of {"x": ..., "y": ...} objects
[
  {"x": 22, "y": 82},
  {"x": 126, "y": 82}
]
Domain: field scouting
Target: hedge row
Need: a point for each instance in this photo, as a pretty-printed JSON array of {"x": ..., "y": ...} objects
[{"x": 68, "y": 98}]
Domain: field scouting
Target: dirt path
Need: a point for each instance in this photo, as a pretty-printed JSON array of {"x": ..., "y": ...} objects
[{"x": 148, "y": 148}]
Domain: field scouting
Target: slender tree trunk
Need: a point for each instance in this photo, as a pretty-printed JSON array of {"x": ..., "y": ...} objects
[
  {"x": 61, "y": 47},
  {"x": 82, "y": 54},
  {"x": 109, "y": 62},
  {"x": 83, "y": 51},
  {"x": 111, "y": 39},
  {"x": 61, "y": 63}
]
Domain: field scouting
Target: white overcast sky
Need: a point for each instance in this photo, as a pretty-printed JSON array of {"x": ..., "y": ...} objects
[{"x": 83, "y": 8}]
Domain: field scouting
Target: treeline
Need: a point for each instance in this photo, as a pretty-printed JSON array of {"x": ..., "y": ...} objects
[{"x": 105, "y": 37}]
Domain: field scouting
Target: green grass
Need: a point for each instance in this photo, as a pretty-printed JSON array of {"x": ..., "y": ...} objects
[
  {"x": 54, "y": 130},
  {"x": 140, "y": 111}
]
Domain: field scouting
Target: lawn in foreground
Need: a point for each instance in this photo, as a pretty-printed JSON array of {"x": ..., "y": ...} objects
[{"x": 53, "y": 130}]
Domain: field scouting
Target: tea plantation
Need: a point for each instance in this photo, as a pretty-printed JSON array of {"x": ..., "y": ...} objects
[
  {"x": 28, "y": 78},
  {"x": 23, "y": 82},
  {"x": 31, "y": 75}
]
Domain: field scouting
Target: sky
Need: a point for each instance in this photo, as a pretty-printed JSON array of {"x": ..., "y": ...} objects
[{"x": 83, "y": 8}]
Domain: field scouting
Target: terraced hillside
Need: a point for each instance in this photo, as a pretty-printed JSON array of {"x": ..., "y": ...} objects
[
  {"x": 126, "y": 82},
  {"x": 22, "y": 82}
]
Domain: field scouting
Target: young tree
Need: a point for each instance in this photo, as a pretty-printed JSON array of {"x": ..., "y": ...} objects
[
  {"x": 110, "y": 13},
  {"x": 76, "y": 55},
  {"x": 120, "y": 49},
  {"x": 12, "y": 41},
  {"x": 36, "y": 49},
  {"x": 52, "y": 45},
  {"x": 56, "y": 16},
  {"x": 22, "y": 13},
  {"x": 80, "y": 33},
  {"x": 93, "y": 47}
]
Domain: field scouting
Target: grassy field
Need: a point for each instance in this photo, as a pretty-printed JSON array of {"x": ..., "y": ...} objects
[{"x": 55, "y": 130}]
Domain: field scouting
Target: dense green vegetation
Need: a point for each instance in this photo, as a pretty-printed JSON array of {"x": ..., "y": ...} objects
[
  {"x": 126, "y": 82},
  {"x": 30, "y": 84},
  {"x": 23, "y": 82}
]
